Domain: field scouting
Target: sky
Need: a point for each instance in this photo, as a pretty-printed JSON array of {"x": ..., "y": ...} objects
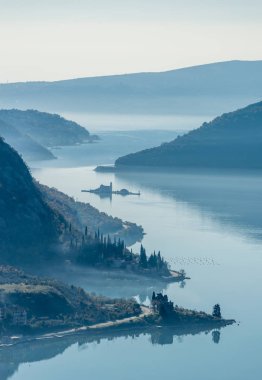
[{"x": 61, "y": 39}]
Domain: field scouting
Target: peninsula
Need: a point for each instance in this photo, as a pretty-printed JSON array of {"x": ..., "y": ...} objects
[
  {"x": 33, "y": 305},
  {"x": 30, "y": 349}
]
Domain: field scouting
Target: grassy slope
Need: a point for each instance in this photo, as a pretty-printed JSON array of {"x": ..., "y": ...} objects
[{"x": 51, "y": 303}]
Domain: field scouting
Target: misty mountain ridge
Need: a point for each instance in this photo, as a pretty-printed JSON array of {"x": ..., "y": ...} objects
[
  {"x": 28, "y": 148},
  {"x": 45, "y": 128},
  {"x": 199, "y": 90},
  {"x": 32, "y": 132}
]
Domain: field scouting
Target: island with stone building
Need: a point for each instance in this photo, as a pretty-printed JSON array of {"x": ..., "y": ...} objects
[{"x": 107, "y": 191}]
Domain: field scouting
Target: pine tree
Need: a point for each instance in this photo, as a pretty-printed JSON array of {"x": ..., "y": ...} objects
[
  {"x": 216, "y": 336},
  {"x": 216, "y": 311},
  {"x": 159, "y": 261}
]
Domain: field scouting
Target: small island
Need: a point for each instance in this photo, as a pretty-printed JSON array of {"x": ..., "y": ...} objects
[{"x": 107, "y": 191}]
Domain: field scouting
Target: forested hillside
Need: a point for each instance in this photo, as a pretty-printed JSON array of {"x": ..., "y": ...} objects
[{"x": 233, "y": 140}]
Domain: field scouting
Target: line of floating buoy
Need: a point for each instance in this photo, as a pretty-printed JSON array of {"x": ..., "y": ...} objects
[{"x": 193, "y": 260}]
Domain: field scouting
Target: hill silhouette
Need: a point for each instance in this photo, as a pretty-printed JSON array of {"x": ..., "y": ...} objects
[
  {"x": 233, "y": 140},
  {"x": 199, "y": 90},
  {"x": 45, "y": 128}
]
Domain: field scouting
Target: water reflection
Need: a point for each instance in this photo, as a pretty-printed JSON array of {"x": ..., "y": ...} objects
[
  {"x": 182, "y": 284},
  {"x": 201, "y": 223},
  {"x": 44, "y": 349},
  {"x": 216, "y": 336},
  {"x": 116, "y": 284},
  {"x": 233, "y": 199}
]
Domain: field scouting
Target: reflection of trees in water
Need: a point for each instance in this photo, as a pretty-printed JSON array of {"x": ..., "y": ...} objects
[
  {"x": 37, "y": 350},
  {"x": 216, "y": 336},
  {"x": 162, "y": 336},
  {"x": 222, "y": 195}
]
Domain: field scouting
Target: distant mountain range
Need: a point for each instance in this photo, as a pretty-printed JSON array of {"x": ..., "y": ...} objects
[
  {"x": 32, "y": 132},
  {"x": 233, "y": 140},
  {"x": 200, "y": 90}
]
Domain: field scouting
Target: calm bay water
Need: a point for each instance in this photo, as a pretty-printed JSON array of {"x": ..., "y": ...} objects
[{"x": 208, "y": 224}]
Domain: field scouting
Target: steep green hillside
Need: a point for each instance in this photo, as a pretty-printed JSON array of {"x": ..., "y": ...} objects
[{"x": 233, "y": 140}]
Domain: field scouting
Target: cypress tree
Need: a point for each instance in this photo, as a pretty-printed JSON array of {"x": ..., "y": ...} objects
[
  {"x": 153, "y": 296},
  {"x": 143, "y": 257}
]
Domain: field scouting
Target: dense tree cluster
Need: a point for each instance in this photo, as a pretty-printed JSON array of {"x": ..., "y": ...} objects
[
  {"x": 103, "y": 250},
  {"x": 154, "y": 261},
  {"x": 162, "y": 305}
]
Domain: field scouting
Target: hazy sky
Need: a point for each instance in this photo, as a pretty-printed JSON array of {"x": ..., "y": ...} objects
[{"x": 57, "y": 39}]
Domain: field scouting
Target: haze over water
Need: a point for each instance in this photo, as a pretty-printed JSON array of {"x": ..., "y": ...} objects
[{"x": 208, "y": 224}]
